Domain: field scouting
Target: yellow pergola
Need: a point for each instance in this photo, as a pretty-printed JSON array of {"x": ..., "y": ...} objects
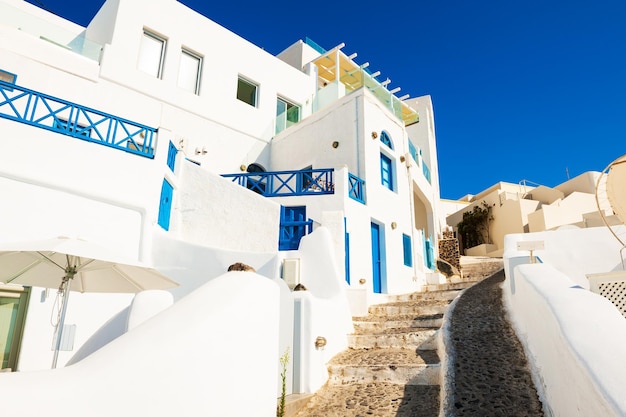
[{"x": 334, "y": 66}]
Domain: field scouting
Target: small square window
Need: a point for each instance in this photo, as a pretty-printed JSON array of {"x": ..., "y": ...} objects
[
  {"x": 189, "y": 71},
  {"x": 247, "y": 91},
  {"x": 287, "y": 114},
  {"x": 152, "y": 54},
  {"x": 7, "y": 77}
]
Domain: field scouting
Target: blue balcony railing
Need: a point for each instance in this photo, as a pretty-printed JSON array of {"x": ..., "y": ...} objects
[
  {"x": 356, "y": 189},
  {"x": 287, "y": 183},
  {"x": 41, "y": 110}
]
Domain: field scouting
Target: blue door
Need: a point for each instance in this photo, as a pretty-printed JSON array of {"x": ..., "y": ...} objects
[
  {"x": 165, "y": 207},
  {"x": 293, "y": 225},
  {"x": 376, "y": 259}
]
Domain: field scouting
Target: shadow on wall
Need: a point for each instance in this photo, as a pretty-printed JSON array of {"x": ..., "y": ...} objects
[
  {"x": 192, "y": 265},
  {"x": 162, "y": 368}
]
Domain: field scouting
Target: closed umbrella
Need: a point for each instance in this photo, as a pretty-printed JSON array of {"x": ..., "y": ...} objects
[{"x": 72, "y": 264}]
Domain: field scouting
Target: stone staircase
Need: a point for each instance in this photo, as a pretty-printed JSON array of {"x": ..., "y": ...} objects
[{"x": 391, "y": 367}]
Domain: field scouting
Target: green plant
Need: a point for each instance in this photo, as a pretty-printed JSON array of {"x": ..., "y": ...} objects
[
  {"x": 474, "y": 228},
  {"x": 284, "y": 360}
]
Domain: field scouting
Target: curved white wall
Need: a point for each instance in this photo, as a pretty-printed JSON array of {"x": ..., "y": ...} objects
[
  {"x": 163, "y": 368},
  {"x": 574, "y": 338}
]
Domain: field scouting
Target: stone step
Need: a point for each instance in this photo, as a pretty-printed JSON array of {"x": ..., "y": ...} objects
[
  {"x": 371, "y": 323},
  {"x": 378, "y": 399},
  {"x": 396, "y": 366},
  {"x": 404, "y": 308},
  {"x": 446, "y": 295},
  {"x": 461, "y": 284},
  {"x": 407, "y": 338}
]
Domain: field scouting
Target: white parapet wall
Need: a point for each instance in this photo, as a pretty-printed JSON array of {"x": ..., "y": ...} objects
[
  {"x": 574, "y": 339},
  {"x": 194, "y": 358}
]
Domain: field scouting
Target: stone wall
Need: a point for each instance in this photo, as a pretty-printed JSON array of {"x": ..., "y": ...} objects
[{"x": 449, "y": 249}]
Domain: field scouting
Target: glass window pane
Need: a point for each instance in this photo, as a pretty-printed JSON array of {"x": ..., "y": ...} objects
[
  {"x": 151, "y": 54},
  {"x": 246, "y": 92},
  {"x": 8, "y": 319},
  {"x": 189, "y": 72}
]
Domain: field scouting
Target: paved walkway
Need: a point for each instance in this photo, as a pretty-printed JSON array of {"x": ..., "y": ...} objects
[{"x": 489, "y": 371}]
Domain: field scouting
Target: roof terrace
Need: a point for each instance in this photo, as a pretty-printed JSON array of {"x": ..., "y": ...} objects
[{"x": 334, "y": 65}]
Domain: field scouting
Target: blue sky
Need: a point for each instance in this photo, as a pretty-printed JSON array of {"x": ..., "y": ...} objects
[{"x": 522, "y": 90}]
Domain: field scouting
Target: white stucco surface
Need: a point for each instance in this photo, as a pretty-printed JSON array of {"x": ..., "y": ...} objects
[
  {"x": 161, "y": 368},
  {"x": 574, "y": 338}
]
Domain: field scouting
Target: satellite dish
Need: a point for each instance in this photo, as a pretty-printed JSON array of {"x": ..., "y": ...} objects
[{"x": 611, "y": 198}]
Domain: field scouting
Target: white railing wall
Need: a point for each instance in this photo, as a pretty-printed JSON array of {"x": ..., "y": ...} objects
[{"x": 574, "y": 339}]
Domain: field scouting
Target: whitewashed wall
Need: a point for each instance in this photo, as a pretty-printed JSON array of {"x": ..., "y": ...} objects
[
  {"x": 161, "y": 368},
  {"x": 569, "y": 333}
]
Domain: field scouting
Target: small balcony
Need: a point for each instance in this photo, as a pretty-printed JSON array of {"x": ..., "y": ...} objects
[
  {"x": 287, "y": 183},
  {"x": 40, "y": 110}
]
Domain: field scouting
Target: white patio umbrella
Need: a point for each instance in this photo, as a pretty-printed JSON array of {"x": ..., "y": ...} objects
[{"x": 74, "y": 265}]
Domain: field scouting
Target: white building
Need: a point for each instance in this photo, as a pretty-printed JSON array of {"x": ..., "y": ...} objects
[{"x": 138, "y": 132}]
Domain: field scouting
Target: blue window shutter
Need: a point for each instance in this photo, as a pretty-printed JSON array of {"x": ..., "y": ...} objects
[
  {"x": 171, "y": 156},
  {"x": 386, "y": 173},
  {"x": 165, "y": 206},
  {"x": 408, "y": 250}
]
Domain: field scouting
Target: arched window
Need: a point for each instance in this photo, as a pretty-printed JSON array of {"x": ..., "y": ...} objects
[{"x": 386, "y": 139}]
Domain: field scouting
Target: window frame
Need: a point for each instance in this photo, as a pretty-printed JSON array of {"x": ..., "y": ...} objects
[
  {"x": 147, "y": 33},
  {"x": 200, "y": 60},
  {"x": 288, "y": 105},
  {"x": 387, "y": 181},
  {"x": 385, "y": 139},
  {"x": 241, "y": 79}
]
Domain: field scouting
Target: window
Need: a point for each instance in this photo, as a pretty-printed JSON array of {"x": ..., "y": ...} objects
[
  {"x": 13, "y": 306},
  {"x": 287, "y": 114},
  {"x": 152, "y": 54},
  {"x": 7, "y": 77},
  {"x": 247, "y": 91},
  {"x": 386, "y": 139},
  {"x": 386, "y": 171},
  {"x": 407, "y": 250},
  {"x": 189, "y": 71}
]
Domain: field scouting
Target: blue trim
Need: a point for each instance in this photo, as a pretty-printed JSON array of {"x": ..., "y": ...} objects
[
  {"x": 377, "y": 260},
  {"x": 165, "y": 205},
  {"x": 293, "y": 227},
  {"x": 413, "y": 152},
  {"x": 71, "y": 119},
  {"x": 10, "y": 75},
  {"x": 356, "y": 190},
  {"x": 407, "y": 249},
  {"x": 429, "y": 254},
  {"x": 287, "y": 183},
  {"x": 314, "y": 45},
  {"x": 171, "y": 156},
  {"x": 386, "y": 171},
  {"x": 386, "y": 139},
  {"x": 346, "y": 249}
]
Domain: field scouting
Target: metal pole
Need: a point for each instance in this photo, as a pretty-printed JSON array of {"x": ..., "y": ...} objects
[{"x": 66, "y": 294}]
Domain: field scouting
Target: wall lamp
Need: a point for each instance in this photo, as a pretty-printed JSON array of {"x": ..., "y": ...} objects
[{"x": 320, "y": 342}]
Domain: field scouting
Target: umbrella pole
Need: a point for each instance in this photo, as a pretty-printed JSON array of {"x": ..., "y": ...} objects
[{"x": 67, "y": 281}]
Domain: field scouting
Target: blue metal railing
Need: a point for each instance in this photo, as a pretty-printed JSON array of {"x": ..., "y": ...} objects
[
  {"x": 41, "y": 110},
  {"x": 287, "y": 183},
  {"x": 356, "y": 189}
]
